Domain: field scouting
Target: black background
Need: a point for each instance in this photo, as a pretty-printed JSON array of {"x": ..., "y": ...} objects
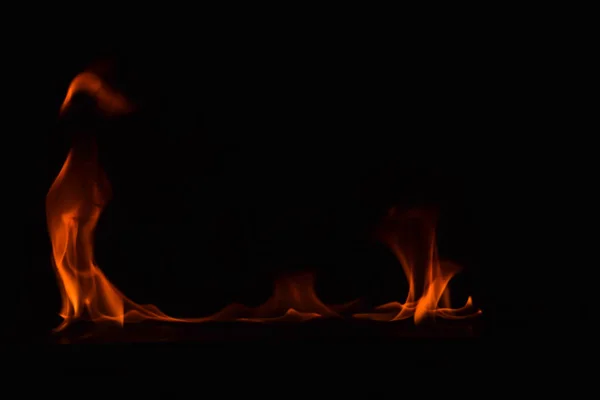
[{"x": 257, "y": 154}]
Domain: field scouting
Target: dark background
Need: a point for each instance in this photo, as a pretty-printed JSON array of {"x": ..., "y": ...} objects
[{"x": 263, "y": 154}]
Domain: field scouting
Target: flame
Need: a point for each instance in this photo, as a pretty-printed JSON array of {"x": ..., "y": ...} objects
[
  {"x": 294, "y": 299},
  {"x": 411, "y": 237},
  {"x": 73, "y": 206}
]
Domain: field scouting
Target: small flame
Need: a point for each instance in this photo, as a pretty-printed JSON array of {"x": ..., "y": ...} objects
[
  {"x": 294, "y": 299},
  {"x": 411, "y": 236}
]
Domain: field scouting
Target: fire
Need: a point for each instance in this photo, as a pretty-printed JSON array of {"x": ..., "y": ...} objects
[
  {"x": 411, "y": 237},
  {"x": 81, "y": 190}
]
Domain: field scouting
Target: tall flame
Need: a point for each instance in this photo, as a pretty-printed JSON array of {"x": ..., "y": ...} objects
[
  {"x": 411, "y": 237},
  {"x": 73, "y": 206}
]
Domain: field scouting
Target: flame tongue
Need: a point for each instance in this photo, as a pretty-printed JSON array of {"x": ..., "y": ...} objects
[
  {"x": 411, "y": 236},
  {"x": 73, "y": 206}
]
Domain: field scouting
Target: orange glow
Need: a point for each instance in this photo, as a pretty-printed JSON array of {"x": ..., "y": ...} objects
[
  {"x": 411, "y": 236},
  {"x": 73, "y": 206}
]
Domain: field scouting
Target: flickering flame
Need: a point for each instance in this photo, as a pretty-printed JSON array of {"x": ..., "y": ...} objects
[
  {"x": 73, "y": 206},
  {"x": 411, "y": 236}
]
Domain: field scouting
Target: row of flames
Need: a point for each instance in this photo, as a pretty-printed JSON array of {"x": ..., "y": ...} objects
[{"x": 81, "y": 190}]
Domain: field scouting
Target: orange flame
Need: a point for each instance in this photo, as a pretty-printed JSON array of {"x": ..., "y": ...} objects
[
  {"x": 411, "y": 236},
  {"x": 73, "y": 206}
]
